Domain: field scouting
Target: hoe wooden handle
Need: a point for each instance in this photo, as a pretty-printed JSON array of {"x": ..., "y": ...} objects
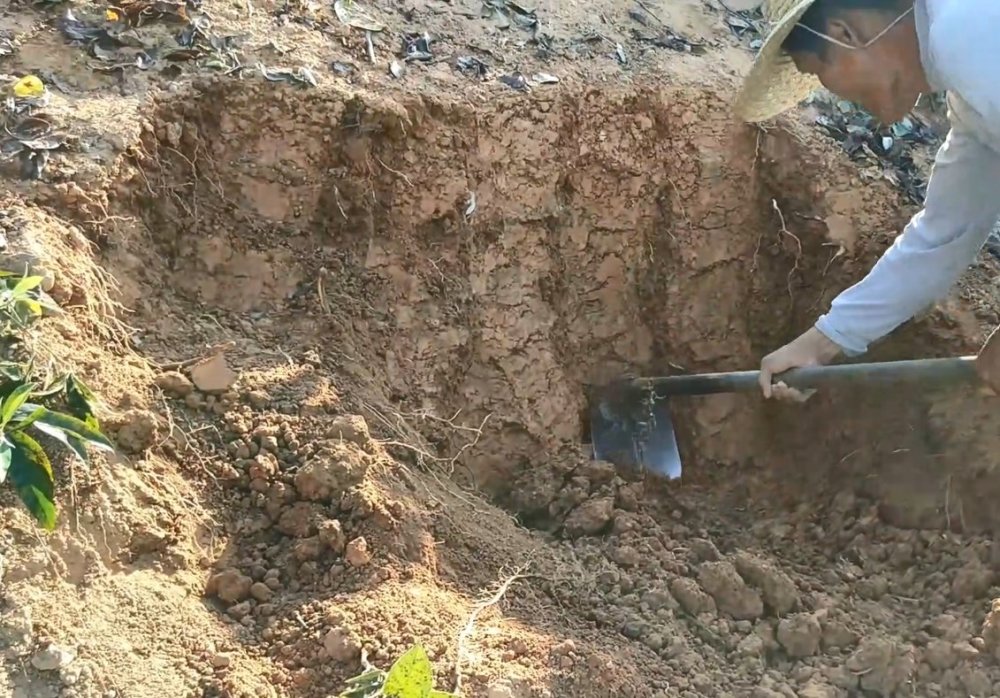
[{"x": 930, "y": 372}]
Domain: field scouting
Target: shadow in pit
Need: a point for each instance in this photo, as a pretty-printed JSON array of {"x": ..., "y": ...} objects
[{"x": 465, "y": 333}]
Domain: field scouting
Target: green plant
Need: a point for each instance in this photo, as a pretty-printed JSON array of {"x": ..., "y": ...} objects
[
  {"x": 22, "y": 301},
  {"x": 23, "y": 460},
  {"x": 62, "y": 409},
  {"x": 410, "y": 676}
]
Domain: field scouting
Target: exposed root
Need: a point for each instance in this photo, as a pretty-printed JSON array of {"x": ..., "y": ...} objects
[
  {"x": 466, "y": 633},
  {"x": 798, "y": 244}
]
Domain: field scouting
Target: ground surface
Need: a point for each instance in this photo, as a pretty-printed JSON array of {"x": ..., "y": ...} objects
[{"x": 342, "y": 332}]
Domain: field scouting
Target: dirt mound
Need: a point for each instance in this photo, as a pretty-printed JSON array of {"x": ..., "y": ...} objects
[{"x": 348, "y": 394}]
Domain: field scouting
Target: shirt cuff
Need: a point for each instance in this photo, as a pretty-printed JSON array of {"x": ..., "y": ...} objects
[{"x": 849, "y": 345}]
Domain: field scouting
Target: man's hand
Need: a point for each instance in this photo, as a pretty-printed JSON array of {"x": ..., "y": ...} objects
[
  {"x": 812, "y": 348},
  {"x": 988, "y": 362}
]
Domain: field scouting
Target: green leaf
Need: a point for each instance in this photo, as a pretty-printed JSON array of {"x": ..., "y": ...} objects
[
  {"x": 82, "y": 402},
  {"x": 442, "y": 694},
  {"x": 31, "y": 474},
  {"x": 51, "y": 423},
  {"x": 411, "y": 676},
  {"x": 48, "y": 303},
  {"x": 27, "y": 310},
  {"x": 27, "y": 415},
  {"x": 366, "y": 685},
  {"x": 5, "y": 455},
  {"x": 13, "y": 402},
  {"x": 53, "y": 387},
  {"x": 26, "y": 284},
  {"x": 70, "y": 441},
  {"x": 13, "y": 371}
]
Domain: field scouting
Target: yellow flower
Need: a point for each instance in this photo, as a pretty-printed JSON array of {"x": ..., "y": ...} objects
[{"x": 29, "y": 87}]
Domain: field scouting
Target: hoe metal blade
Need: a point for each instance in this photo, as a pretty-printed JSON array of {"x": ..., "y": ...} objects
[{"x": 631, "y": 427}]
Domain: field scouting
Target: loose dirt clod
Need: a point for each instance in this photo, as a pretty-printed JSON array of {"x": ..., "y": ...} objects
[
  {"x": 175, "y": 384},
  {"x": 882, "y": 665},
  {"x": 357, "y": 553},
  {"x": 213, "y": 376},
  {"x": 230, "y": 585},
  {"x": 53, "y": 657},
  {"x": 590, "y": 517},
  {"x": 778, "y": 589},
  {"x": 732, "y": 596},
  {"x": 341, "y": 645},
  {"x": 799, "y": 634}
]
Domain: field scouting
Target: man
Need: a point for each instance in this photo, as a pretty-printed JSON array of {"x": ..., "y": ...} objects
[{"x": 882, "y": 54}]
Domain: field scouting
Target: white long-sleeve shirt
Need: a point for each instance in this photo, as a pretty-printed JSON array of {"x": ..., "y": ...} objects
[{"x": 960, "y": 52}]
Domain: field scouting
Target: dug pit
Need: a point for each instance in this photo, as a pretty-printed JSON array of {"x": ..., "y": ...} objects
[
  {"x": 405, "y": 301},
  {"x": 468, "y": 271}
]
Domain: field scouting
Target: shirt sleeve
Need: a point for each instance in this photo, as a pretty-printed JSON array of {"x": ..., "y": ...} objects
[{"x": 938, "y": 244}]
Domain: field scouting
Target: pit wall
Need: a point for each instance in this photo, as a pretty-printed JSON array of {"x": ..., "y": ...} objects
[{"x": 495, "y": 259}]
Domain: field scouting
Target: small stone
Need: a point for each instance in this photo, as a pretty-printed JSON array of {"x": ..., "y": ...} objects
[
  {"x": 220, "y": 660},
  {"x": 213, "y": 376},
  {"x": 331, "y": 532},
  {"x": 341, "y": 645},
  {"x": 174, "y": 384},
  {"x": 230, "y": 585},
  {"x": 261, "y": 592},
  {"x": 800, "y": 634},
  {"x": 240, "y": 610},
  {"x": 590, "y": 517},
  {"x": 53, "y": 657},
  {"x": 357, "y": 553}
]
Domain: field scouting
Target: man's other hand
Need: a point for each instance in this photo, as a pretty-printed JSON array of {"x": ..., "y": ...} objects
[{"x": 812, "y": 348}]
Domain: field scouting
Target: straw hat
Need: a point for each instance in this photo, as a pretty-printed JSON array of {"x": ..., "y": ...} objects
[{"x": 774, "y": 84}]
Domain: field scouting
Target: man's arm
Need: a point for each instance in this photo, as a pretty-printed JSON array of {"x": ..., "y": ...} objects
[{"x": 961, "y": 208}]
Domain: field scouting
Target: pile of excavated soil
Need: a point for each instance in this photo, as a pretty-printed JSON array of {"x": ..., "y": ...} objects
[{"x": 343, "y": 335}]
